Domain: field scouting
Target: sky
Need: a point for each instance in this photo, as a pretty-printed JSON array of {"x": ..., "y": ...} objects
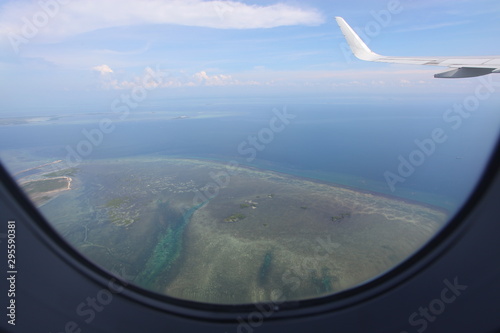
[{"x": 76, "y": 52}]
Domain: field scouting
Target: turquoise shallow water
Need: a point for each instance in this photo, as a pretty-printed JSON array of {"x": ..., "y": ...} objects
[
  {"x": 167, "y": 249},
  {"x": 351, "y": 147},
  {"x": 190, "y": 251}
]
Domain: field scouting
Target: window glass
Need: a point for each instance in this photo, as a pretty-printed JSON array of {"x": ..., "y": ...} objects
[{"x": 238, "y": 152}]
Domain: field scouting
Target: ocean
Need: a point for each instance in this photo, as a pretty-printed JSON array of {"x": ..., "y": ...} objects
[
  {"x": 388, "y": 149},
  {"x": 141, "y": 199}
]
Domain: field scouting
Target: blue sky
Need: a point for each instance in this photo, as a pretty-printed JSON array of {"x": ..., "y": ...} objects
[{"x": 92, "y": 50}]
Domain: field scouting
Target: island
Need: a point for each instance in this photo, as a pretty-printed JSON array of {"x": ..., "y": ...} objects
[{"x": 165, "y": 225}]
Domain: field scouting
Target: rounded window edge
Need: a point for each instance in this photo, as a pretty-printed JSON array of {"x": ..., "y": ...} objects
[{"x": 436, "y": 247}]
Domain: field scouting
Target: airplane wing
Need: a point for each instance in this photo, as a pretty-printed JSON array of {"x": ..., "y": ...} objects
[{"x": 461, "y": 66}]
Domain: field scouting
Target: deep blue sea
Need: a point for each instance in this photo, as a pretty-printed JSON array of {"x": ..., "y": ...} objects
[{"x": 352, "y": 145}]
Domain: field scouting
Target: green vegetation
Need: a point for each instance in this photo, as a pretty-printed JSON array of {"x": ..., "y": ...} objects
[
  {"x": 235, "y": 217},
  {"x": 45, "y": 185},
  {"x": 121, "y": 218},
  {"x": 61, "y": 173},
  {"x": 116, "y": 202},
  {"x": 248, "y": 203},
  {"x": 303, "y": 207},
  {"x": 117, "y": 213}
]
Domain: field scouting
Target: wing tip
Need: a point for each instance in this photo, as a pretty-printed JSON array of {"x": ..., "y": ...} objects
[{"x": 357, "y": 45}]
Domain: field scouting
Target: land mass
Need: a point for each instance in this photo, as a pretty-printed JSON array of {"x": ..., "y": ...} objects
[
  {"x": 43, "y": 190},
  {"x": 168, "y": 227}
]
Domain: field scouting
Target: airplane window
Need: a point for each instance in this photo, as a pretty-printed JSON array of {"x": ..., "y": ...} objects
[{"x": 235, "y": 152}]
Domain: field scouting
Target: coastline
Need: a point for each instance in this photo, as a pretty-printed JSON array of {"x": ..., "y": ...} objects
[
  {"x": 40, "y": 196},
  {"x": 267, "y": 167},
  {"x": 257, "y": 168},
  {"x": 199, "y": 257}
]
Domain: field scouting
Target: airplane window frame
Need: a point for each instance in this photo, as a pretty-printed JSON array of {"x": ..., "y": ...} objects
[{"x": 437, "y": 246}]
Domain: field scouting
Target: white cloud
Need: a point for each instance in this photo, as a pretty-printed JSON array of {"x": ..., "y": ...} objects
[
  {"x": 165, "y": 79},
  {"x": 103, "y": 69},
  {"x": 202, "y": 78},
  {"x": 78, "y": 16},
  {"x": 346, "y": 79}
]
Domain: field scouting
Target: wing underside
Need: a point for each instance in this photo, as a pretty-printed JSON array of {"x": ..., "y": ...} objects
[{"x": 460, "y": 67}]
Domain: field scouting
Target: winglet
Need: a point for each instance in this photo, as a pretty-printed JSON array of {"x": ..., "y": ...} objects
[
  {"x": 460, "y": 67},
  {"x": 358, "y": 47}
]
